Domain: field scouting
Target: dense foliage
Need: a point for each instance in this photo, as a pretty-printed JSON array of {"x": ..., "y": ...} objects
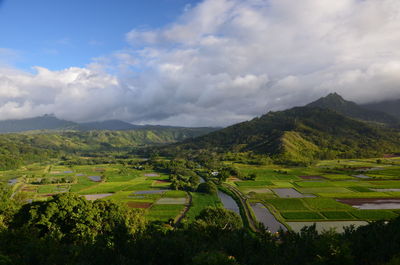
[
  {"x": 19, "y": 149},
  {"x": 67, "y": 229},
  {"x": 297, "y": 136}
]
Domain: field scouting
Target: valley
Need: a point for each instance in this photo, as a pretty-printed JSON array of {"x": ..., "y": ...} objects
[
  {"x": 267, "y": 185},
  {"x": 331, "y": 193}
]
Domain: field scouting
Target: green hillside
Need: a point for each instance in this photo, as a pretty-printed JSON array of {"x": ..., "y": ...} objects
[
  {"x": 300, "y": 134},
  {"x": 19, "y": 148}
]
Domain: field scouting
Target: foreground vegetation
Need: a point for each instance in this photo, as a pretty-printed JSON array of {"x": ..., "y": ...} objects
[{"x": 68, "y": 229}]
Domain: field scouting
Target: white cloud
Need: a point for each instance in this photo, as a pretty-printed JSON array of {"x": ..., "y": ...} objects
[{"x": 224, "y": 61}]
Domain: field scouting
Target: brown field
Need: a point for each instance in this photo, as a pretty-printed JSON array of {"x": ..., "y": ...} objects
[
  {"x": 141, "y": 205},
  {"x": 312, "y": 177}
]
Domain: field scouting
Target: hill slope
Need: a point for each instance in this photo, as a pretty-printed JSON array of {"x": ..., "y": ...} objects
[
  {"x": 391, "y": 107},
  {"x": 300, "y": 134},
  {"x": 348, "y": 108}
]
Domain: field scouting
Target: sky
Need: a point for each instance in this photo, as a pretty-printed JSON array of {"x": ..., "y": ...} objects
[{"x": 192, "y": 63}]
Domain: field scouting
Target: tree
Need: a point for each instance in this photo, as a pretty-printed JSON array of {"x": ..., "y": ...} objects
[
  {"x": 213, "y": 258},
  {"x": 7, "y": 205},
  {"x": 72, "y": 219},
  {"x": 207, "y": 187},
  {"x": 219, "y": 218}
]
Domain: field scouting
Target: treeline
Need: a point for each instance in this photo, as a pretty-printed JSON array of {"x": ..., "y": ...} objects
[{"x": 67, "y": 229}]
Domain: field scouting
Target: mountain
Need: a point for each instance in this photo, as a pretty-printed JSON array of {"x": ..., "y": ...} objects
[
  {"x": 298, "y": 136},
  {"x": 391, "y": 107},
  {"x": 112, "y": 125},
  {"x": 50, "y": 123},
  {"x": 348, "y": 108},
  {"x": 46, "y": 122}
]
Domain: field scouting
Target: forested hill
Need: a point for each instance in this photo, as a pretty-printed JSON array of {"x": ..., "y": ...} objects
[
  {"x": 19, "y": 148},
  {"x": 337, "y": 103},
  {"x": 300, "y": 134}
]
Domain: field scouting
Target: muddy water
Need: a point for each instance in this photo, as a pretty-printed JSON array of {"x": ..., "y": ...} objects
[
  {"x": 386, "y": 190},
  {"x": 95, "y": 178},
  {"x": 338, "y": 226},
  {"x": 264, "y": 216},
  {"x": 12, "y": 181},
  {"x": 290, "y": 193},
  {"x": 372, "y": 204},
  {"x": 93, "y": 197},
  {"x": 228, "y": 202},
  {"x": 379, "y": 206},
  {"x": 362, "y": 176},
  {"x": 151, "y": 175}
]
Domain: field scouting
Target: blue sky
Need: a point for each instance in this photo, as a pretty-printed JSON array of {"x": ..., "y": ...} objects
[
  {"x": 192, "y": 63},
  {"x": 61, "y": 33}
]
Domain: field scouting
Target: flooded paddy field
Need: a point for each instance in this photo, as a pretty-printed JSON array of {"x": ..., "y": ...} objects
[
  {"x": 338, "y": 226},
  {"x": 290, "y": 193},
  {"x": 93, "y": 197},
  {"x": 264, "y": 216},
  {"x": 228, "y": 202},
  {"x": 372, "y": 204},
  {"x": 95, "y": 178}
]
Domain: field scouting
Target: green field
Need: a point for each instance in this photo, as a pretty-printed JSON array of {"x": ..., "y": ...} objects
[
  {"x": 319, "y": 186},
  {"x": 120, "y": 182},
  {"x": 326, "y": 181}
]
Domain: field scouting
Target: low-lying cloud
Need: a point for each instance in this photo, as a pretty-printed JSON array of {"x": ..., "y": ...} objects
[{"x": 224, "y": 61}]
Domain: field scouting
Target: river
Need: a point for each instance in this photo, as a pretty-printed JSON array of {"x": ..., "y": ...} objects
[{"x": 228, "y": 202}]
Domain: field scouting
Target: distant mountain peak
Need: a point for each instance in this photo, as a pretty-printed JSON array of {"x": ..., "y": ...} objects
[
  {"x": 337, "y": 103},
  {"x": 331, "y": 100}
]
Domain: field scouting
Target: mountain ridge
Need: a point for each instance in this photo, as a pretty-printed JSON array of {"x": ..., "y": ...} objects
[
  {"x": 351, "y": 109},
  {"x": 299, "y": 135},
  {"x": 52, "y": 123}
]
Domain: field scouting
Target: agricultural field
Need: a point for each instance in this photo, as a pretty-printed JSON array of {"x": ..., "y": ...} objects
[
  {"x": 143, "y": 189},
  {"x": 330, "y": 193}
]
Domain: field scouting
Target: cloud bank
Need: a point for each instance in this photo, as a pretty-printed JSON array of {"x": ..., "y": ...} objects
[{"x": 224, "y": 61}]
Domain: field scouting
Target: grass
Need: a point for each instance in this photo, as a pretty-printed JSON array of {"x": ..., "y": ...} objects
[
  {"x": 302, "y": 216},
  {"x": 46, "y": 189},
  {"x": 336, "y": 215},
  {"x": 373, "y": 215},
  {"x": 360, "y": 189},
  {"x": 107, "y": 187},
  {"x": 201, "y": 201},
  {"x": 282, "y": 184},
  {"x": 324, "y": 190},
  {"x": 253, "y": 183},
  {"x": 288, "y": 204},
  {"x": 355, "y": 195},
  {"x": 307, "y": 184},
  {"x": 83, "y": 183},
  {"x": 325, "y": 204},
  {"x": 166, "y": 200},
  {"x": 164, "y": 212}
]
